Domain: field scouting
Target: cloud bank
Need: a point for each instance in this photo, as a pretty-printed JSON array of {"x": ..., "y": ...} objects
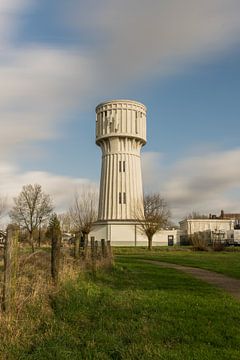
[
  {"x": 201, "y": 183},
  {"x": 149, "y": 38},
  {"x": 60, "y": 188}
]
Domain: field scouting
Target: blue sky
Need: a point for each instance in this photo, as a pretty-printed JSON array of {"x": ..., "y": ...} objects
[{"x": 59, "y": 59}]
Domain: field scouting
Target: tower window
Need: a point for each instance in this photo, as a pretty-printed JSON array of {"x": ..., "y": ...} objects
[
  {"x": 136, "y": 122},
  {"x": 122, "y": 166},
  {"x": 124, "y": 198},
  {"x": 120, "y": 198},
  {"x": 105, "y": 114}
]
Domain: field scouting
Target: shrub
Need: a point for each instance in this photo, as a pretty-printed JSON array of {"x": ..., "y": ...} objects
[
  {"x": 218, "y": 246},
  {"x": 199, "y": 242}
]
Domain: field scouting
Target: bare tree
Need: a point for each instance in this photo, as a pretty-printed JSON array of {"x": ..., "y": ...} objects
[
  {"x": 196, "y": 215},
  {"x": 155, "y": 216},
  {"x": 3, "y": 205},
  {"x": 66, "y": 224},
  {"x": 31, "y": 207},
  {"x": 83, "y": 212}
]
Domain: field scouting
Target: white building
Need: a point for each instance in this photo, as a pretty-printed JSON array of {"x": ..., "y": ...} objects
[
  {"x": 121, "y": 133},
  {"x": 191, "y": 226},
  {"x": 226, "y": 225},
  {"x": 130, "y": 234}
]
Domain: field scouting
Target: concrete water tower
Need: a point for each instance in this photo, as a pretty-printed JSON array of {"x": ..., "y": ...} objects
[{"x": 121, "y": 133}]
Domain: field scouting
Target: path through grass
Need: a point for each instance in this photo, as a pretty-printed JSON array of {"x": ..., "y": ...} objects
[{"x": 225, "y": 262}]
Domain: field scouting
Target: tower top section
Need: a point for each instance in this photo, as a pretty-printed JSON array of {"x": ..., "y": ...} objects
[
  {"x": 121, "y": 118},
  {"x": 121, "y": 101}
]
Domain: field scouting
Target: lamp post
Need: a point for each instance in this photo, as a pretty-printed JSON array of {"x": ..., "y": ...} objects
[{"x": 39, "y": 233}]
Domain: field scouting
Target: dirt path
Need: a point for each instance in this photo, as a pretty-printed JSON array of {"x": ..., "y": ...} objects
[{"x": 226, "y": 283}]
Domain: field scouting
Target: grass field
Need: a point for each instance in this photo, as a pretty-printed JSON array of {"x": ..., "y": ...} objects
[
  {"x": 226, "y": 262},
  {"x": 135, "y": 311}
]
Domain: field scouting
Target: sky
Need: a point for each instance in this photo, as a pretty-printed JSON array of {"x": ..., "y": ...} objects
[{"x": 181, "y": 58}]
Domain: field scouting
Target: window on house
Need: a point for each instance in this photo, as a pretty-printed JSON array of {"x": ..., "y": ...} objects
[
  {"x": 105, "y": 114},
  {"x": 120, "y": 166},
  {"x": 124, "y": 198},
  {"x": 120, "y": 198},
  {"x": 124, "y": 166}
]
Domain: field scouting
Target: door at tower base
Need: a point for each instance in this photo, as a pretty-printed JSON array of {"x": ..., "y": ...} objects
[{"x": 122, "y": 233}]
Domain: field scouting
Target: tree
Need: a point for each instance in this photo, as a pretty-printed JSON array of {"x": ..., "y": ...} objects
[
  {"x": 154, "y": 217},
  {"x": 65, "y": 222},
  {"x": 3, "y": 205},
  {"x": 31, "y": 207},
  {"x": 83, "y": 212},
  {"x": 196, "y": 215}
]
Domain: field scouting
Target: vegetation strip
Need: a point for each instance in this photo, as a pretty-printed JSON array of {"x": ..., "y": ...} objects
[
  {"x": 133, "y": 311},
  {"x": 226, "y": 283}
]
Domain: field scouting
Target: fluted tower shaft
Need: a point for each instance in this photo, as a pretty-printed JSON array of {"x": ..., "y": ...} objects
[{"x": 121, "y": 133}]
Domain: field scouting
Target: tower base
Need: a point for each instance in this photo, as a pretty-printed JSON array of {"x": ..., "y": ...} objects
[{"x": 129, "y": 233}]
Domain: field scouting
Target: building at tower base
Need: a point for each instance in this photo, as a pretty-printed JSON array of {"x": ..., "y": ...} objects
[{"x": 122, "y": 233}]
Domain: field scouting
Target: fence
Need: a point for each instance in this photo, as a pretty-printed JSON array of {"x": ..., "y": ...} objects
[{"x": 92, "y": 256}]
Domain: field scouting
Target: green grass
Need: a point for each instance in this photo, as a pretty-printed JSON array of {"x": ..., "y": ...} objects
[
  {"x": 225, "y": 262},
  {"x": 136, "y": 311}
]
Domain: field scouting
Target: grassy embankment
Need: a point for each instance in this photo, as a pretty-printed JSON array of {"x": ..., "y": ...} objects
[{"x": 136, "y": 311}]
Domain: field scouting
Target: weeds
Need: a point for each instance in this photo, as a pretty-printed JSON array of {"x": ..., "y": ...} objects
[{"x": 31, "y": 305}]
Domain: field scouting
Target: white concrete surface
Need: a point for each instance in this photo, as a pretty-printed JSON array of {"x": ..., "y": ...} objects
[
  {"x": 191, "y": 226},
  {"x": 122, "y": 233},
  {"x": 121, "y": 133}
]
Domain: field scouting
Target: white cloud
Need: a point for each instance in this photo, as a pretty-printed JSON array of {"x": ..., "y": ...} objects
[
  {"x": 203, "y": 183},
  {"x": 9, "y": 17},
  {"x": 139, "y": 38},
  {"x": 60, "y": 188},
  {"x": 38, "y": 87}
]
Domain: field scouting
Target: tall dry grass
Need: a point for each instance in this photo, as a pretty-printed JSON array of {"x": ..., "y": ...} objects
[
  {"x": 29, "y": 305},
  {"x": 33, "y": 292}
]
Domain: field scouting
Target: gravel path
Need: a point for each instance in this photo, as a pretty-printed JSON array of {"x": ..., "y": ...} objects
[{"x": 226, "y": 283}]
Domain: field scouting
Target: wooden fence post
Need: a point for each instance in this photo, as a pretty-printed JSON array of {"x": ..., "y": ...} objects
[
  {"x": 55, "y": 255},
  {"x": 96, "y": 249},
  {"x": 77, "y": 246},
  {"x": 10, "y": 266},
  {"x": 86, "y": 247},
  {"x": 109, "y": 252},
  {"x": 92, "y": 240},
  {"x": 103, "y": 248},
  {"x": 93, "y": 255}
]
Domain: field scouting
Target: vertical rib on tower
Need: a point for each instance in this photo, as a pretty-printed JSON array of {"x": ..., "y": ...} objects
[{"x": 121, "y": 133}]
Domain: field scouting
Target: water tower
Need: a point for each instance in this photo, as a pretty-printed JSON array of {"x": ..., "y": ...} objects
[{"x": 121, "y": 133}]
